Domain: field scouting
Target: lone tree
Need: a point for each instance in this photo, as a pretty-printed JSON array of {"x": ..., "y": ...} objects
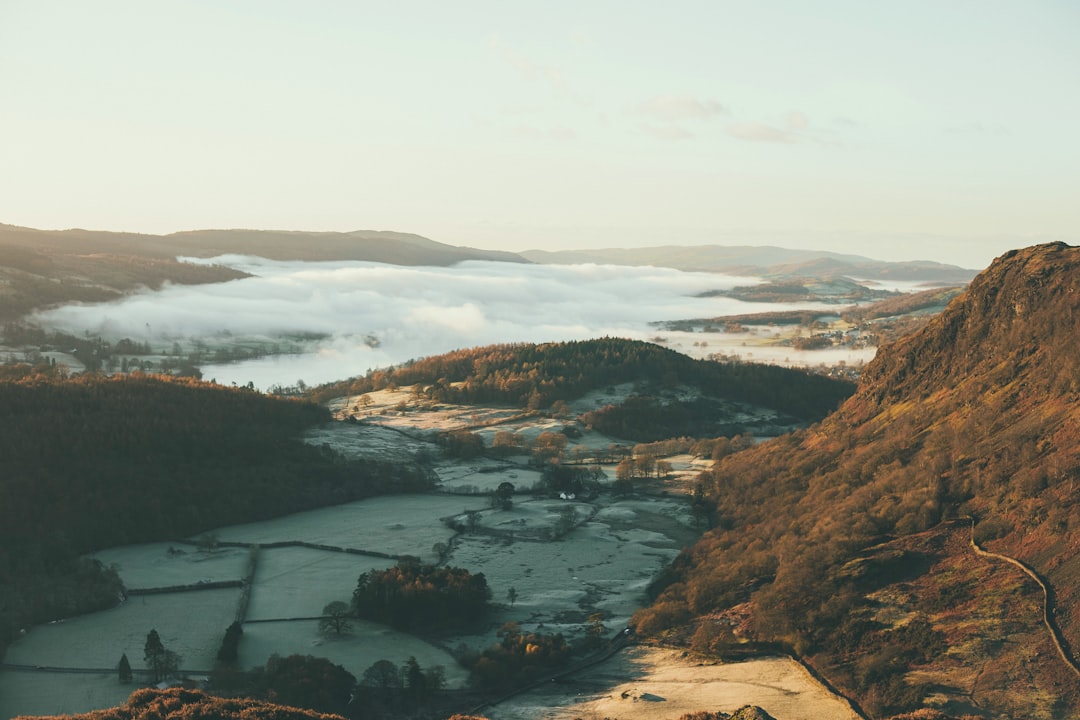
[
  {"x": 336, "y": 618},
  {"x": 503, "y": 496},
  {"x": 230, "y": 644},
  {"x": 207, "y": 542},
  {"x": 512, "y": 596},
  {"x": 124, "y": 669},
  {"x": 152, "y": 652}
]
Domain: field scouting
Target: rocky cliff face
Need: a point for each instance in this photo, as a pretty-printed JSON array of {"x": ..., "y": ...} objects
[
  {"x": 1019, "y": 317},
  {"x": 847, "y": 540}
]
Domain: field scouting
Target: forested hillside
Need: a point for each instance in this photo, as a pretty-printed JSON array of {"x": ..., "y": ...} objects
[
  {"x": 91, "y": 462},
  {"x": 536, "y": 376},
  {"x": 849, "y": 541}
]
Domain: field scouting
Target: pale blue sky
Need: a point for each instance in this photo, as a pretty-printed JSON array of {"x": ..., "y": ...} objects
[{"x": 920, "y": 129}]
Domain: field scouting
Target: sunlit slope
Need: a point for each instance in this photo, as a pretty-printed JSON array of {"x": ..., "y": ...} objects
[{"x": 978, "y": 413}]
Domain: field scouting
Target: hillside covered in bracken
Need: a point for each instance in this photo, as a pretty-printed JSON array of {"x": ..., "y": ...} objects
[{"x": 851, "y": 542}]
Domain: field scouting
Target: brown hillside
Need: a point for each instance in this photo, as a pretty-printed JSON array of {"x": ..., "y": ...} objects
[
  {"x": 977, "y": 413},
  {"x": 180, "y": 704}
]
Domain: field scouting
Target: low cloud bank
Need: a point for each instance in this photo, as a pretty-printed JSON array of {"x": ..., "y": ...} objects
[{"x": 411, "y": 311}]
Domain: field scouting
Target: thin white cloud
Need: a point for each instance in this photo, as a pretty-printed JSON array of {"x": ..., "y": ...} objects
[
  {"x": 760, "y": 132},
  {"x": 533, "y": 71},
  {"x": 796, "y": 121},
  {"x": 666, "y": 132},
  {"x": 977, "y": 128},
  {"x": 676, "y": 108},
  {"x": 794, "y": 128},
  {"x": 557, "y": 132}
]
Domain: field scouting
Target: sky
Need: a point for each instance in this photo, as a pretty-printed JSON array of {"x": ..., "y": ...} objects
[{"x": 899, "y": 130}]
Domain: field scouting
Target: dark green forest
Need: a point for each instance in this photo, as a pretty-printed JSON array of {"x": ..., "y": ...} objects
[{"x": 91, "y": 462}]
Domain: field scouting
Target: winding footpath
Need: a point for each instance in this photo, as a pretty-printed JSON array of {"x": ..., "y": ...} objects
[{"x": 1049, "y": 607}]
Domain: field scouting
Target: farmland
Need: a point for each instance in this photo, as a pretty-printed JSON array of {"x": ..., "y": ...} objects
[{"x": 550, "y": 561}]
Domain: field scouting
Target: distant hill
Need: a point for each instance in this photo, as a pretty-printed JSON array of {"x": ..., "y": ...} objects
[
  {"x": 393, "y": 248},
  {"x": 758, "y": 261},
  {"x": 850, "y": 541},
  {"x": 539, "y": 375},
  {"x": 44, "y": 268}
]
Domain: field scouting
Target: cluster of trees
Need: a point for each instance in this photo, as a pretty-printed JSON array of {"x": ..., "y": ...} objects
[
  {"x": 641, "y": 467},
  {"x": 518, "y": 658},
  {"x": 90, "y": 462},
  {"x": 386, "y": 688},
  {"x": 579, "y": 480},
  {"x": 648, "y": 419},
  {"x": 161, "y": 661},
  {"x": 537, "y": 376},
  {"x": 304, "y": 681},
  {"x": 414, "y": 595}
]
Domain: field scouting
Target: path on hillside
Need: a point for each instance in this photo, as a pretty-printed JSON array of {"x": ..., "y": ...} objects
[{"x": 1049, "y": 606}]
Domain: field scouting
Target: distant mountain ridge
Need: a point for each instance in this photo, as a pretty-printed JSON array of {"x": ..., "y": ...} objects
[
  {"x": 370, "y": 245},
  {"x": 44, "y": 268},
  {"x": 758, "y": 261}
]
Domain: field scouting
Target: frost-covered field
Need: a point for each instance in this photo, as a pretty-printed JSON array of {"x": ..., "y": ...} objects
[
  {"x": 396, "y": 525},
  {"x": 190, "y": 623},
  {"x": 37, "y": 693},
  {"x": 299, "y": 582},
  {"x": 164, "y": 565},
  {"x": 564, "y": 559}
]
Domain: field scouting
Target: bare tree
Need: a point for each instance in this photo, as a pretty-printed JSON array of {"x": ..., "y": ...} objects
[{"x": 336, "y": 618}]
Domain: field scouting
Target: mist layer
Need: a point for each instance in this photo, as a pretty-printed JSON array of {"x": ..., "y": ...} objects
[{"x": 370, "y": 315}]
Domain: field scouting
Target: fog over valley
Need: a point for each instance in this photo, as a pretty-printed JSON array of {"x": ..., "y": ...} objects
[{"x": 354, "y": 316}]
